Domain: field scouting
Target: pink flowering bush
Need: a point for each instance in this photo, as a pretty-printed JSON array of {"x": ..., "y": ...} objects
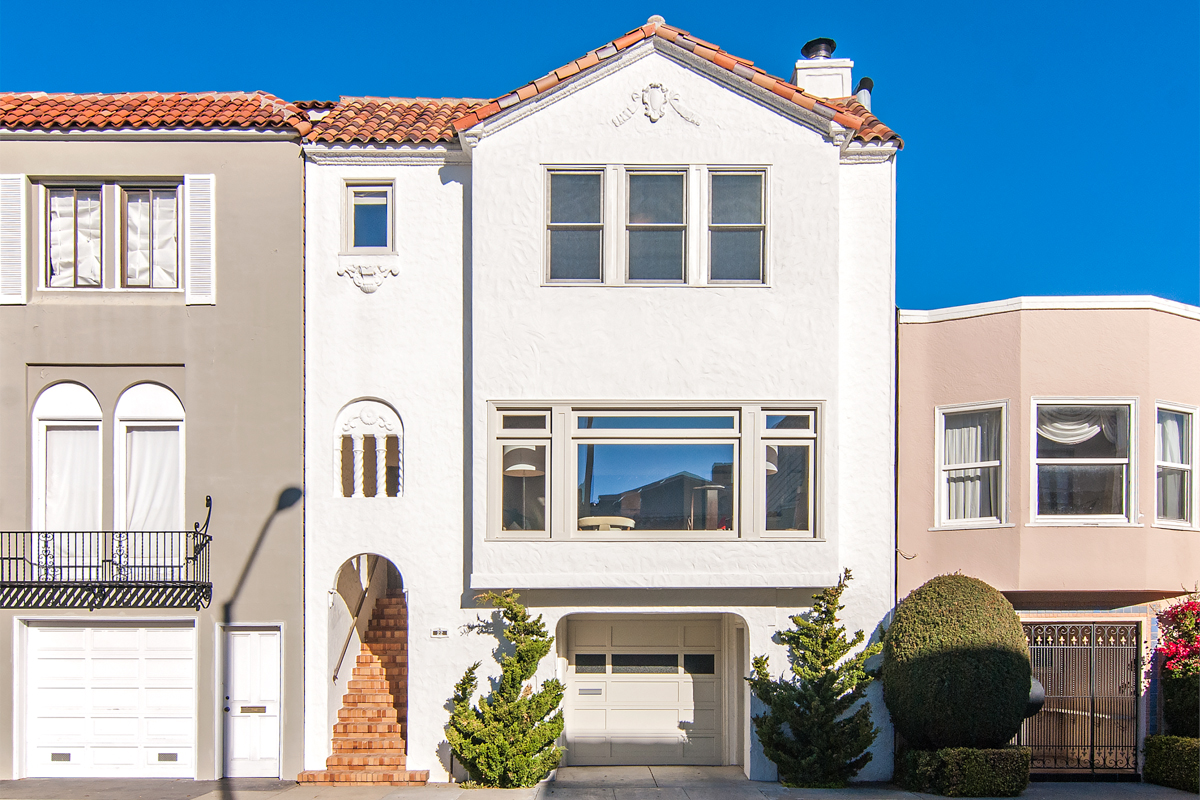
[{"x": 1180, "y": 648}]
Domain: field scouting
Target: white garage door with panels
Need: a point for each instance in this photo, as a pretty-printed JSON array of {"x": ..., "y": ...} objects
[
  {"x": 644, "y": 691},
  {"x": 110, "y": 700}
]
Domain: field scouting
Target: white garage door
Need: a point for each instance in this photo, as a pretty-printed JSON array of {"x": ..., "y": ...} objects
[
  {"x": 643, "y": 691},
  {"x": 110, "y": 700}
]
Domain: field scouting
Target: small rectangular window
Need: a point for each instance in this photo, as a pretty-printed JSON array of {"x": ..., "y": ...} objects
[
  {"x": 524, "y": 422},
  {"x": 1082, "y": 460},
  {"x": 656, "y": 231},
  {"x": 73, "y": 238},
  {"x": 524, "y": 487},
  {"x": 736, "y": 227},
  {"x": 590, "y": 663},
  {"x": 971, "y": 482},
  {"x": 151, "y": 230},
  {"x": 789, "y": 487},
  {"x": 699, "y": 663},
  {"x": 645, "y": 663},
  {"x": 1174, "y": 454},
  {"x": 575, "y": 229},
  {"x": 370, "y": 218}
]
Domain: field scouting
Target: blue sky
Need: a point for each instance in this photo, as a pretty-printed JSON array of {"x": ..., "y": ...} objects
[{"x": 1051, "y": 146}]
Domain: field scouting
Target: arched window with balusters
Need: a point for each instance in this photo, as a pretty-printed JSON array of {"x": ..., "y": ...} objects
[{"x": 369, "y": 451}]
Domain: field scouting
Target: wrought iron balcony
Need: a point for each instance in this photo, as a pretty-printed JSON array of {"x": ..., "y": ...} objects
[{"x": 105, "y": 569}]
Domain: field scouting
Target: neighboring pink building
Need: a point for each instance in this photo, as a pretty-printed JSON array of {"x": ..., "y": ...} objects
[{"x": 1048, "y": 446}]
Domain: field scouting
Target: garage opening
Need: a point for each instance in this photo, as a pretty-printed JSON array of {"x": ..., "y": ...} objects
[{"x": 652, "y": 690}]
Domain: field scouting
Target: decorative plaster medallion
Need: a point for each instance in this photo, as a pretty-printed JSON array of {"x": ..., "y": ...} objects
[
  {"x": 653, "y": 101},
  {"x": 367, "y": 277},
  {"x": 370, "y": 417}
]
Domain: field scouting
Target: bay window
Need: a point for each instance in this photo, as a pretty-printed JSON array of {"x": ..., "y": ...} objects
[
  {"x": 1082, "y": 460},
  {"x": 652, "y": 472},
  {"x": 1174, "y": 482}
]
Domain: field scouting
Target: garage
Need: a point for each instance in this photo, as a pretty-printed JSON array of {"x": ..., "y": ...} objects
[
  {"x": 644, "y": 690},
  {"x": 110, "y": 700}
]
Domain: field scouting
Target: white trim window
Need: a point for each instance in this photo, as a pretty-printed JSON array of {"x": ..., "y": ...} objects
[
  {"x": 652, "y": 473},
  {"x": 736, "y": 227},
  {"x": 150, "y": 233},
  {"x": 1174, "y": 452},
  {"x": 971, "y": 472},
  {"x": 575, "y": 225},
  {"x": 66, "y": 460},
  {"x": 148, "y": 449},
  {"x": 656, "y": 227},
  {"x": 369, "y": 218},
  {"x": 74, "y": 237},
  {"x": 1082, "y": 460}
]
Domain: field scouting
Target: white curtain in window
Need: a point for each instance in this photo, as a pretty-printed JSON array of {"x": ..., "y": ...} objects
[
  {"x": 969, "y": 439},
  {"x": 1072, "y": 425},
  {"x": 62, "y": 238},
  {"x": 87, "y": 239},
  {"x": 1172, "y": 429},
  {"x": 137, "y": 239},
  {"x": 1174, "y": 448},
  {"x": 72, "y": 478},
  {"x": 166, "y": 245},
  {"x": 152, "y": 491}
]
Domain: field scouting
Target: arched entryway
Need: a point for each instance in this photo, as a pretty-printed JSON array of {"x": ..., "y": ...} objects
[{"x": 368, "y": 669}]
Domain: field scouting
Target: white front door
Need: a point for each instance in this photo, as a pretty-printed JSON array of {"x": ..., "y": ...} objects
[
  {"x": 252, "y": 703},
  {"x": 644, "y": 691},
  {"x": 110, "y": 700}
]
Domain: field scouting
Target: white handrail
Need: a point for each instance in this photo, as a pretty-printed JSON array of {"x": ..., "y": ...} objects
[{"x": 354, "y": 619}]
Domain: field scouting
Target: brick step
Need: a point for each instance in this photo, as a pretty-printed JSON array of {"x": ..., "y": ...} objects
[
  {"x": 386, "y": 647},
  {"x": 392, "y": 777},
  {"x": 378, "y": 744},
  {"x": 373, "y": 684},
  {"x": 354, "y": 699},
  {"x": 365, "y": 760},
  {"x": 364, "y": 714},
  {"x": 387, "y": 622},
  {"x": 386, "y": 634},
  {"x": 364, "y": 728}
]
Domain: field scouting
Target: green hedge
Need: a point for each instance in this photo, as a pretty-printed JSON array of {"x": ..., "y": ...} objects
[
  {"x": 964, "y": 771},
  {"x": 1173, "y": 761},
  {"x": 1181, "y": 704}
]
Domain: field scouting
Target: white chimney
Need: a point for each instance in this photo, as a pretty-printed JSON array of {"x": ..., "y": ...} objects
[{"x": 820, "y": 74}]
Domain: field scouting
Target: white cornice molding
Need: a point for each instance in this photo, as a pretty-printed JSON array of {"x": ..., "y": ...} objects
[
  {"x": 869, "y": 153},
  {"x": 407, "y": 155},
  {"x": 1143, "y": 302},
  {"x": 143, "y": 134}
]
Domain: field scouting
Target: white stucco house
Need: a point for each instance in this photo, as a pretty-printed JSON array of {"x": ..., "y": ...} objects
[{"x": 622, "y": 340}]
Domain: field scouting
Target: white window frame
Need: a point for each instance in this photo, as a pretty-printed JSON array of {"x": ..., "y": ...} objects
[
  {"x": 712, "y": 227},
  {"x": 122, "y": 193},
  {"x": 382, "y": 185},
  {"x": 748, "y": 436},
  {"x": 628, "y": 227},
  {"x": 1131, "y": 516},
  {"x": 50, "y": 418},
  {"x": 1193, "y": 521},
  {"x": 614, "y": 249},
  {"x": 158, "y": 416},
  {"x": 941, "y": 470},
  {"x": 602, "y": 226}
]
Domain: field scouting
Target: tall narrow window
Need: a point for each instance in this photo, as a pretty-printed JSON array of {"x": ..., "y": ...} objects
[
  {"x": 66, "y": 459},
  {"x": 575, "y": 228},
  {"x": 149, "y": 449},
  {"x": 971, "y": 469},
  {"x": 151, "y": 239},
  {"x": 1174, "y": 483},
  {"x": 370, "y": 218},
  {"x": 1082, "y": 460},
  {"x": 736, "y": 227},
  {"x": 657, "y": 230},
  {"x": 73, "y": 237}
]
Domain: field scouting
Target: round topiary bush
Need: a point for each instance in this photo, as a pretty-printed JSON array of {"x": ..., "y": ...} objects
[{"x": 955, "y": 666}]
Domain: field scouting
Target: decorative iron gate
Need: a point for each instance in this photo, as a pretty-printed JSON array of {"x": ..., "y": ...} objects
[{"x": 1090, "y": 719}]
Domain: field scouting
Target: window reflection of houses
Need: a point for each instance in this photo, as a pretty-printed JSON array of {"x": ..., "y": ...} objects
[{"x": 684, "y": 501}]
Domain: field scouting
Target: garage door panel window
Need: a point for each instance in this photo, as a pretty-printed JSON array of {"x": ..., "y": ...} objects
[
  {"x": 645, "y": 663},
  {"x": 1083, "y": 460}
]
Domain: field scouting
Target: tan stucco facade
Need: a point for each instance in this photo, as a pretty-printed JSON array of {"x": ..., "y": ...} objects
[
  {"x": 236, "y": 366},
  {"x": 1017, "y": 353}
]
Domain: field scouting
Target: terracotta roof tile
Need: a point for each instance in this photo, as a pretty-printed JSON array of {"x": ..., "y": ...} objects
[
  {"x": 847, "y": 112},
  {"x": 394, "y": 119},
  {"x": 222, "y": 110}
]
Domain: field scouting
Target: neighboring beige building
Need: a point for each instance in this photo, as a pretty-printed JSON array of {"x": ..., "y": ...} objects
[
  {"x": 150, "y": 357},
  {"x": 1048, "y": 446}
]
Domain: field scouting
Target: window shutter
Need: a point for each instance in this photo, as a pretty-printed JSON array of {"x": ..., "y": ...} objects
[
  {"x": 12, "y": 240},
  {"x": 200, "y": 240}
]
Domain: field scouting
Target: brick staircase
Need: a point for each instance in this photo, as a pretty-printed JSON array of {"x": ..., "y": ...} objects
[{"x": 368, "y": 739}]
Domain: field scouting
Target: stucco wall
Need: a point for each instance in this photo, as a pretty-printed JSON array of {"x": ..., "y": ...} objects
[
  {"x": 236, "y": 367},
  {"x": 1046, "y": 353}
]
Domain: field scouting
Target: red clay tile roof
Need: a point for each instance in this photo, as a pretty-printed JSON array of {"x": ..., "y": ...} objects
[
  {"x": 392, "y": 119},
  {"x": 189, "y": 110},
  {"x": 848, "y": 114}
]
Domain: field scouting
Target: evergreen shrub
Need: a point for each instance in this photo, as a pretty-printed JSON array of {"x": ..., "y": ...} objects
[
  {"x": 965, "y": 771},
  {"x": 1173, "y": 761},
  {"x": 1181, "y": 703},
  {"x": 956, "y": 666},
  {"x": 508, "y": 739}
]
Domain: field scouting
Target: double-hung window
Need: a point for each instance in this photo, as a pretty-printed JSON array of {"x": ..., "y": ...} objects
[
  {"x": 151, "y": 232},
  {"x": 369, "y": 218},
  {"x": 656, "y": 229},
  {"x": 736, "y": 228},
  {"x": 1082, "y": 460},
  {"x": 1174, "y": 457},
  {"x": 575, "y": 232},
  {"x": 971, "y": 469},
  {"x": 74, "y": 237}
]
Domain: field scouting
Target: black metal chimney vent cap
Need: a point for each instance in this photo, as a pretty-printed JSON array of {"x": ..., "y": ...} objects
[{"x": 819, "y": 48}]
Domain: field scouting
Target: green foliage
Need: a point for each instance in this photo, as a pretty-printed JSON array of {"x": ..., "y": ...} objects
[
  {"x": 508, "y": 740},
  {"x": 1181, "y": 703},
  {"x": 955, "y": 666},
  {"x": 808, "y": 729},
  {"x": 1173, "y": 761},
  {"x": 965, "y": 771}
]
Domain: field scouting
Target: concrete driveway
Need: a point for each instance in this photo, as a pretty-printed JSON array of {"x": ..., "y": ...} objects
[{"x": 571, "y": 783}]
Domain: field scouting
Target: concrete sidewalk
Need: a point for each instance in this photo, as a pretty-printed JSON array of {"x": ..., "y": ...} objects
[{"x": 571, "y": 783}]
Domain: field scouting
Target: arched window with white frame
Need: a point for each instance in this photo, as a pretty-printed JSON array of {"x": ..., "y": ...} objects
[
  {"x": 369, "y": 451},
  {"x": 66, "y": 459},
  {"x": 149, "y": 458}
]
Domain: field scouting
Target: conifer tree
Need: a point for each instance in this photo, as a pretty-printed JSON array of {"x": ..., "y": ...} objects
[
  {"x": 809, "y": 730},
  {"x": 508, "y": 740}
]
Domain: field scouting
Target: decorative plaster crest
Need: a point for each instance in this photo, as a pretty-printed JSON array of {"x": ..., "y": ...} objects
[
  {"x": 653, "y": 101},
  {"x": 367, "y": 277},
  {"x": 369, "y": 417}
]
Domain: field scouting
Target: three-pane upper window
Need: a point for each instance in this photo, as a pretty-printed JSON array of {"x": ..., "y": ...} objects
[
  {"x": 369, "y": 218},
  {"x": 655, "y": 241}
]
